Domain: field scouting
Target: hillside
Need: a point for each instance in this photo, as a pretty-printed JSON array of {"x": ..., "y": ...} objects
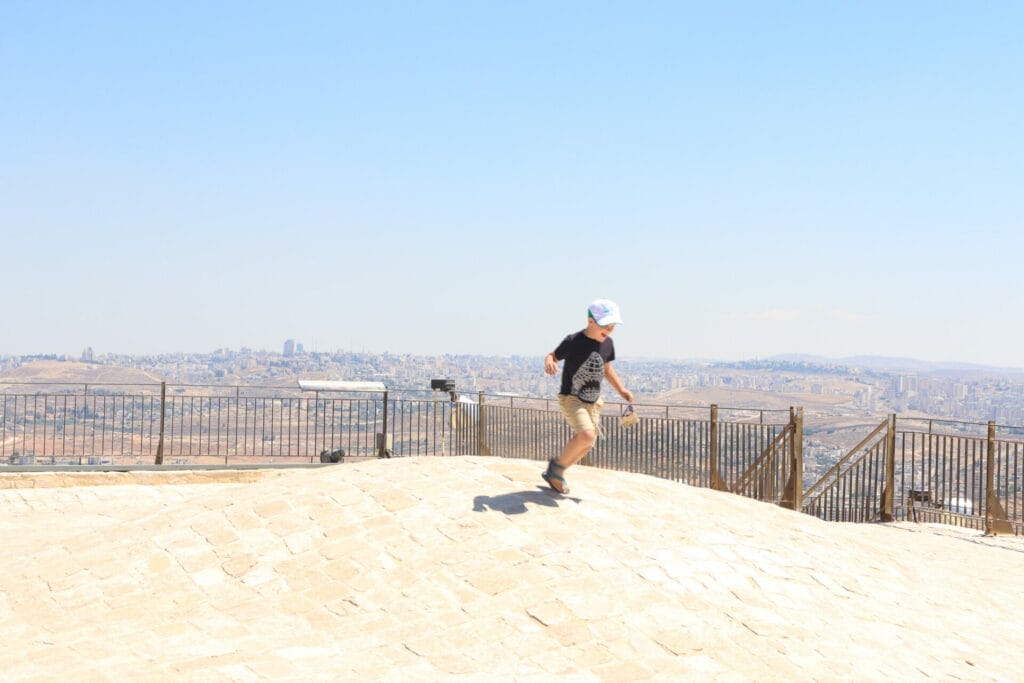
[{"x": 53, "y": 371}]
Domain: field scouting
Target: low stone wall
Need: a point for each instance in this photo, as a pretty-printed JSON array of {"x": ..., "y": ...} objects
[{"x": 44, "y": 480}]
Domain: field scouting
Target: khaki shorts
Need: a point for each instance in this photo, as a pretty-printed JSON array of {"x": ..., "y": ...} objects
[{"x": 581, "y": 416}]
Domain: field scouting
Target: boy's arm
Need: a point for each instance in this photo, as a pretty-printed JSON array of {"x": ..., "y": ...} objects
[
  {"x": 613, "y": 379},
  {"x": 550, "y": 363}
]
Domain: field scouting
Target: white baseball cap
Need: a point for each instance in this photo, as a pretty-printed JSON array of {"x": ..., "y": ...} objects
[{"x": 605, "y": 312}]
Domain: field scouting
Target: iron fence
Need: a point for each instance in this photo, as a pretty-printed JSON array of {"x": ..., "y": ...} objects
[
  {"x": 928, "y": 470},
  {"x": 962, "y": 473},
  {"x": 906, "y": 469},
  {"x": 189, "y": 424},
  {"x": 853, "y": 489},
  {"x": 696, "y": 445},
  {"x": 140, "y": 424}
]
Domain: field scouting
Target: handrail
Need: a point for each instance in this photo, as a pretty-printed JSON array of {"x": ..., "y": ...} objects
[
  {"x": 264, "y": 423},
  {"x": 810, "y": 495},
  {"x": 747, "y": 476}
]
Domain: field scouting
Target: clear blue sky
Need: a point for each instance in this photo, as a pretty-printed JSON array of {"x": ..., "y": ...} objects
[{"x": 744, "y": 178}]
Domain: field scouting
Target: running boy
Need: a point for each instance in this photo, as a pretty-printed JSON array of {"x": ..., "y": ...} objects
[{"x": 588, "y": 356}]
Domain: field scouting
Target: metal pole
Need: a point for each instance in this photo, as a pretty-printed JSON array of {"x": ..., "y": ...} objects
[
  {"x": 238, "y": 408},
  {"x": 888, "y": 493},
  {"x": 163, "y": 412},
  {"x": 990, "y": 461},
  {"x": 316, "y": 422},
  {"x": 793, "y": 498},
  {"x": 717, "y": 482},
  {"x": 382, "y": 449},
  {"x": 481, "y": 428},
  {"x": 996, "y": 521}
]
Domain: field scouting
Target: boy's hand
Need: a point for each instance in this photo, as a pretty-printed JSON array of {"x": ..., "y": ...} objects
[
  {"x": 550, "y": 364},
  {"x": 627, "y": 395}
]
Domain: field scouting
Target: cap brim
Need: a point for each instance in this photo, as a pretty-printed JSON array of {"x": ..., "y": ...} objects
[{"x": 608, "y": 320}]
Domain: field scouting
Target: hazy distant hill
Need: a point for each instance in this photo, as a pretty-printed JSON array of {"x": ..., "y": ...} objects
[
  {"x": 55, "y": 371},
  {"x": 890, "y": 364}
]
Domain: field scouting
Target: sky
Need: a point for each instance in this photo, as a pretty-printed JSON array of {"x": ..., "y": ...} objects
[{"x": 745, "y": 179}]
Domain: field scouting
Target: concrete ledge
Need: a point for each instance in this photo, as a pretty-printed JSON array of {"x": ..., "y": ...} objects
[{"x": 41, "y": 479}]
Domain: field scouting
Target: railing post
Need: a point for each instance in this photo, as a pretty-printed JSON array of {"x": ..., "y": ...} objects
[
  {"x": 163, "y": 412},
  {"x": 793, "y": 497},
  {"x": 382, "y": 446},
  {"x": 886, "y": 513},
  {"x": 85, "y": 402},
  {"x": 316, "y": 424},
  {"x": 481, "y": 428},
  {"x": 717, "y": 483},
  {"x": 238, "y": 409},
  {"x": 996, "y": 521},
  {"x": 798, "y": 458}
]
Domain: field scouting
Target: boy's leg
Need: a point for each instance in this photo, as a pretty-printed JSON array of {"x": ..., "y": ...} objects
[
  {"x": 581, "y": 419},
  {"x": 584, "y": 435},
  {"x": 577, "y": 447}
]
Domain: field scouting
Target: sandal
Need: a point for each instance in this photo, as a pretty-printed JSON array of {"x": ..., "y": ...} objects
[{"x": 555, "y": 481}]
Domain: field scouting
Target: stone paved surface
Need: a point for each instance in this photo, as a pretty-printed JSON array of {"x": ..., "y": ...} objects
[{"x": 465, "y": 569}]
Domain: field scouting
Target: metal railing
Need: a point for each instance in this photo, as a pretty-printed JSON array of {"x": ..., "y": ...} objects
[
  {"x": 777, "y": 474},
  {"x": 962, "y": 473},
  {"x": 928, "y": 470},
  {"x": 191, "y": 424},
  {"x": 698, "y": 445},
  {"x": 136, "y": 424},
  {"x": 906, "y": 469},
  {"x": 853, "y": 490}
]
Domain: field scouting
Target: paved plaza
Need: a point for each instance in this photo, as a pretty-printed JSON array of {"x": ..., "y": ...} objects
[{"x": 466, "y": 568}]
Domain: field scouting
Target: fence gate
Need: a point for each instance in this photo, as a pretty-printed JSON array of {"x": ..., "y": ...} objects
[
  {"x": 776, "y": 475},
  {"x": 858, "y": 488}
]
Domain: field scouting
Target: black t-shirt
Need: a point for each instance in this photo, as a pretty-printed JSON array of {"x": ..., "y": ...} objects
[{"x": 584, "y": 365}]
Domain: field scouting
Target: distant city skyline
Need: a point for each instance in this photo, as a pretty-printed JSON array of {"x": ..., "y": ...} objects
[
  {"x": 291, "y": 347},
  {"x": 744, "y": 179},
  {"x": 831, "y": 393}
]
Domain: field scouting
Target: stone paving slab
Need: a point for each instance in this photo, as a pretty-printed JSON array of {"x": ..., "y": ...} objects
[{"x": 468, "y": 569}]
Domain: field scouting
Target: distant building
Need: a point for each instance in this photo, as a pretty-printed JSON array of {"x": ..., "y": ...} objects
[
  {"x": 299, "y": 348},
  {"x": 87, "y": 355},
  {"x": 289, "y": 347}
]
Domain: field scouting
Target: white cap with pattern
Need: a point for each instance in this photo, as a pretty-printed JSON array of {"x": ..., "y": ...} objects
[{"x": 605, "y": 312}]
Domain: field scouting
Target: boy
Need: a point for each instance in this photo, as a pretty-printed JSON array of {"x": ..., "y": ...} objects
[{"x": 588, "y": 356}]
